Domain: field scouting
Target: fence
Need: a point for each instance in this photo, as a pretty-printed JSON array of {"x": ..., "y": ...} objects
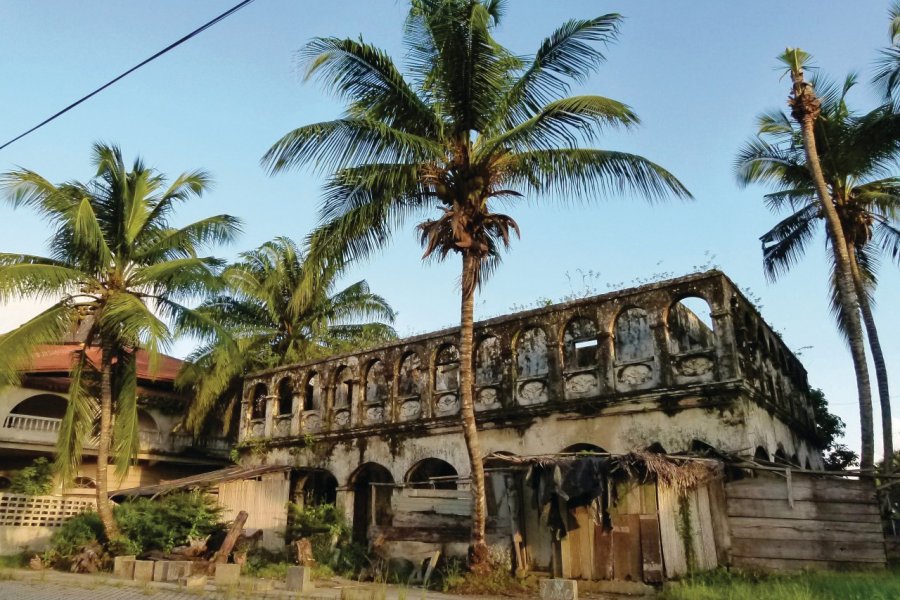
[{"x": 29, "y": 521}]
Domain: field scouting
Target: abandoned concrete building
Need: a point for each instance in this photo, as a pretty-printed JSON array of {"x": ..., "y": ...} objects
[{"x": 674, "y": 367}]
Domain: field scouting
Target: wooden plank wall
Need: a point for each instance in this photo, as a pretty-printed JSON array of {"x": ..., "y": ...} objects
[
  {"x": 631, "y": 551},
  {"x": 815, "y": 522},
  {"x": 687, "y": 529},
  {"x": 265, "y": 500}
]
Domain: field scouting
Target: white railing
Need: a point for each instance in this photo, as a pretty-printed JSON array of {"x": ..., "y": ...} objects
[{"x": 32, "y": 423}]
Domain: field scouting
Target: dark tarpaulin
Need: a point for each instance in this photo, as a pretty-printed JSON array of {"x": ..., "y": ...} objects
[{"x": 559, "y": 486}]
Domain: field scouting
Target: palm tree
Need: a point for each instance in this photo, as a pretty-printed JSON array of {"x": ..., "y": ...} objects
[
  {"x": 887, "y": 76},
  {"x": 858, "y": 154},
  {"x": 262, "y": 320},
  {"x": 806, "y": 110},
  {"x": 472, "y": 126},
  {"x": 120, "y": 269}
]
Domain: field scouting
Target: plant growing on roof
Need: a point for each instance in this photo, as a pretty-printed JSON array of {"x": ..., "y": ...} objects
[
  {"x": 119, "y": 268},
  {"x": 471, "y": 126},
  {"x": 264, "y": 320}
]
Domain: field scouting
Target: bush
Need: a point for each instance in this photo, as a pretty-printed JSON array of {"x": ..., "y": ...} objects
[
  {"x": 75, "y": 533},
  {"x": 36, "y": 480},
  {"x": 330, "y": 538},
  {"x": 167, "y": 522}
]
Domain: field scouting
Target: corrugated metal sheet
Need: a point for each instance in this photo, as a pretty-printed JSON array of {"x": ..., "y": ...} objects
[{"x": 204, "y": 480}]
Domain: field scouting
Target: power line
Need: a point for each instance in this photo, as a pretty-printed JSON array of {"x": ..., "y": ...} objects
[{"x": 171, "y": 46}]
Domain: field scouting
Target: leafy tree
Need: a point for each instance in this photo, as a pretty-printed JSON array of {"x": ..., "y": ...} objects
[
  {"x": 829, "y": 429},
  {"x": 263, "y": 320},
  {"x": 119, "y": 269},
  {"x": 796, "y": 176},
  {"x": 858, "y": 153},
  {"x": 470, "y": 126}
]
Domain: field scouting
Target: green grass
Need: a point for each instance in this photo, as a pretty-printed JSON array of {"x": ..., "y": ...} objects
[
  {"x": 14, "y": 561},
  {"x": 873, "y": 585}
]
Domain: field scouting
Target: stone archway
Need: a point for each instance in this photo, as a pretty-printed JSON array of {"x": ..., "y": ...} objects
[{"x": 372, "y": 486}]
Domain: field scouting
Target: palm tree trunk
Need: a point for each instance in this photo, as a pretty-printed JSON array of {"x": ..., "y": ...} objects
[
  {"x": 884, "y": 394},
  {"x": 805, "y": 107},
  {"x": 104, "y": 508},
  {"x": 478, "y": 550}
]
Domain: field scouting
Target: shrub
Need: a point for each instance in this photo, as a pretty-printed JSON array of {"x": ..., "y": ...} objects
[
  {"x": 74, "y": 534},
  {"x": 330, "y": 538},
  {"x": 35, "y": 480},
  {"x": 167, "y": 522}
]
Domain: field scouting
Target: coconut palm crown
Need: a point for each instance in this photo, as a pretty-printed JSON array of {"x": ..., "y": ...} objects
[
  {"x": 263, "y": 320},
  {"x": 467, "y": 128},
  {"x": 119, "y": 268}
]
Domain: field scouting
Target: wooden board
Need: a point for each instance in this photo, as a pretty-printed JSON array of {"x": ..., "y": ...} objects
[
  {"x": 444, "y": 506},
  {"x": 823, "y": 511},
  {"x": 782, "y": 565},
  {"x": 627, "y": 561},
  {"x": 797, "y": 529},
  {"x": 801, "y": 490},
  {"x": 802, "y": 550},
  {"x": 603, "y": 559},
  {"x": 651, "y": 549}
]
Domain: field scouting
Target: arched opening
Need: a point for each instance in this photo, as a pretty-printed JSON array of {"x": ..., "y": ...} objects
[
  {"x": 377, "y": 392},
  {"x": 48, "y": 406},
  {"x": 285, "y": 396},
  {"x": 531, "y": 354},
  {"x": 807, "y": 464},
  {"x": 148, "y": 429},
  {"x": 343, "y": 388},
  {"x": 311, "y": 393},
  {"x": 780, "y": 456},
  {"x": 656, "y": 448},
  {"x": 580, "y": 344},
  {"x": 446, "y": 369},
  {"x": 488, "y": 362},
  {"x": 583, "y": 448},
  {"x": 761, "y": 454},
  {"x": 5, "y": 483},
  {"x": 432, "y": 473},
  {"x": 372, "y": 490},
  {"x": 258, "y": 402},
  {"x": 315, "y": 488},
  {"x": 633, "y": 338},
  {"x": 410, "y": 380},
  {"x": 690, "y": 326}
]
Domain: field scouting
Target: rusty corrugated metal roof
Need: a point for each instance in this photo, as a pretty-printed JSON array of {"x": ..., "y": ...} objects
[{"x": 209, "y": 479}]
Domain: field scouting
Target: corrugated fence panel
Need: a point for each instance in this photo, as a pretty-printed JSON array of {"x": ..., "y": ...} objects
[
  {"x": 804, "y": 522},
  {"x": 265, "y": 500}
]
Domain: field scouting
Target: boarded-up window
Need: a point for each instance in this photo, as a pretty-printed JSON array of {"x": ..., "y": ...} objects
[
  {"x": 634, "y": 340},
  {"x": 531, "y": 354},
  {"x": 446, "y": 369},
  {"x": 488, "y": 363},
  {"x": 690, "y": 326},
  {"x": 580, "y": 341}
]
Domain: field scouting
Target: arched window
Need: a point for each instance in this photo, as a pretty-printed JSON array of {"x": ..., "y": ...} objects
[
  {"x": 531, "y": 354},
  {"x": 43, "y": 405},
  {"x": 84, "y": 482},
  {"x": 580, "y": 344},
  {"x": 446, "y": 371},
  {"x": 488, "y": 362},
  {"x": 343, "y": 388},
  {"x": 371, "y": 499},
  {"x": 634, "y": 340},
  {"x": 258, "y": 401},
  {"x": 377, "y": 393},
  {"x": 285, "y": 396},
  {"x": 376, "y": 384},
  {"x": 312, "y": 399},
  {"x": 690, "y": 326},
  {"x": 5, "y": 483},
  {"x": 432, "y": 473},
  {"x": 411, "y": 376},
  {"x": 583, "y": 448}
]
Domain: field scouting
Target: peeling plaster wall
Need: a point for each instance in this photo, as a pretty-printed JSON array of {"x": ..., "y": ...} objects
[{"x": 621, "y": 371}]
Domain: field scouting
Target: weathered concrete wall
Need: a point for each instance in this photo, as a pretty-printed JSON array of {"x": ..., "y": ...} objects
[{"x": 621, "y": 371}]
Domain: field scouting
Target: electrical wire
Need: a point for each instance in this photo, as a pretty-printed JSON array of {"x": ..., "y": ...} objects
[{"x": 171, "y": 46}]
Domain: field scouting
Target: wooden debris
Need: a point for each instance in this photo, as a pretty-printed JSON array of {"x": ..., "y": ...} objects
[{"x": 233, "y": 534}]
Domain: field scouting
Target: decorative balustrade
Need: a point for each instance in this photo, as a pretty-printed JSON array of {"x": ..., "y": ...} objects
[
  {"x": 685, "y": 333},
  {"x": 32, "y": 423}
]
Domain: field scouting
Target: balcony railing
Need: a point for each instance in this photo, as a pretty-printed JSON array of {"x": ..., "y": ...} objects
[
  {"x": 149, "y": 440},
  {"x": 32, "y": 423}
]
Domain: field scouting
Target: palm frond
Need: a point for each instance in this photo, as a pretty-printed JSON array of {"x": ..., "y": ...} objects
[
  {"x": 17, "y": 347},
  {"x": 77, "y": 424},
  {"x": 126, "y": 433},
  {"x": 785, "y": 244}
]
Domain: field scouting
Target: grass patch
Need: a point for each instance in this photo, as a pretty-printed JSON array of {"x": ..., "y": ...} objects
[
  {"x": 495, "y": 583},
  {"x": 15, "y": 561},
  {"x": 721, "y": 585}
]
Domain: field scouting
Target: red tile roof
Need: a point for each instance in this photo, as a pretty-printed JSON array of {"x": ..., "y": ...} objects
[{"x": 58, "y": 358}]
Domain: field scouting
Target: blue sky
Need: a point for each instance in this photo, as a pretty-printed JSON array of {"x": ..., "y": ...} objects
[{"x": 697, "y": 73}]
